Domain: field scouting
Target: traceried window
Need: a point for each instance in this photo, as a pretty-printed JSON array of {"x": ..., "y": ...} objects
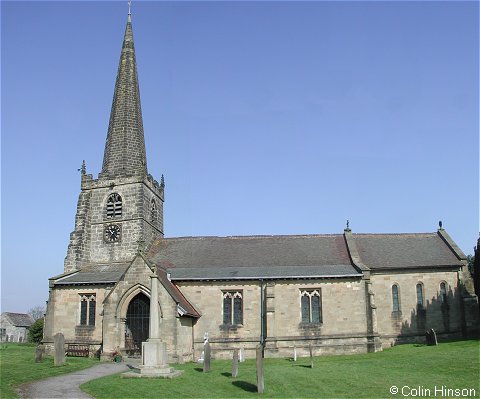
[
  {"x": 420, "y": 303},
  {"x": 114, "y": 206},
  {"x": 87, "y": 309},
  {"x": 443, "y": 292},
  {"x": 395, "y": 298},
  {"x": 232, "y": 307},
  {"x": 153, "y": 211},
  {"x": 311, "y": 306}
]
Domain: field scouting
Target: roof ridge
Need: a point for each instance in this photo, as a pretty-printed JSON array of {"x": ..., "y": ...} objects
[
  {"x": 253, "y": 236},
  {"x": 396, "y": 234}
]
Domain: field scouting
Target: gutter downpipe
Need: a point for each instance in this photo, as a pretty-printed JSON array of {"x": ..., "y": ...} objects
[{"x": 263, "y": 320}]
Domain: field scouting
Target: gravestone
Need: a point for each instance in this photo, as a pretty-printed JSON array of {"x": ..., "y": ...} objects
[
  {"x": 433, "y": 334},
  {"x": 294, "y": 353},
  {"x": 311, "y": 355},
  {"x": 431, "y": 337},
  {"x": 242, "y": 355},
  {"x": 235, "y": 363},
  {"x": 259, "y": 363},
  {"x": 207, "y": 358},
  {"x": 39, "y": 353},
  {"x": 59, "y": 344}
]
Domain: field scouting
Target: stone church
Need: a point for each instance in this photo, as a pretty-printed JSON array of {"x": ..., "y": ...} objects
[{"x": 340, "y": 293}]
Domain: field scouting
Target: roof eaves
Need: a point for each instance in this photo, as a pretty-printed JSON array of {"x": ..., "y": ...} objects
[
  {"x": 268, "y": 277},
  {"x": 417, "y": 267}
]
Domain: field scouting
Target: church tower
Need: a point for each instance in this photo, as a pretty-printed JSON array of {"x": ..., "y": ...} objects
[{"x": 120, "y": 212}]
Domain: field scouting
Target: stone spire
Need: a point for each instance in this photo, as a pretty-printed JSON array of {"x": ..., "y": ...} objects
[{"x": 125, "y": 147}]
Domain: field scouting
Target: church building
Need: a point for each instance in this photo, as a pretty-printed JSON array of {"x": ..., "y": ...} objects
[{"x": 339, "y": 293}]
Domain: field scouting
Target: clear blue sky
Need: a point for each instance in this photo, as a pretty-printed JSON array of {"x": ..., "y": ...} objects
[{"x": 264, "y": 117}]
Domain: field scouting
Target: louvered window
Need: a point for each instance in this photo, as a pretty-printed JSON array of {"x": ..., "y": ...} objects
[
  {"x": 311, "y": 306},
  {"x": 153, "y": 212},
  {"x": 87, "y": 309},
  {"x": 232, "y": 308},
  {"x": 114, "y": 206}
]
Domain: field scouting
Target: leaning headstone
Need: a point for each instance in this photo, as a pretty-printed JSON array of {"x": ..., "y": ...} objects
[
  {"x": 242, "y": 355},
  {"x": 431, "y": 337},
  {"x": 39, "y": 353},
  {"x": 434, "y": 336},
  {"x": 235, "y": 363},
  {"x": 206, "y": 358},
  {"x": 59, "y": 344},
  {"x": 260, "y": 380},
  {"x": 294, "y": 353},
  {"x": 311, "y": 355}
]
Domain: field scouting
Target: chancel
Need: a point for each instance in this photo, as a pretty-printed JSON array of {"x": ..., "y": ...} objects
[{"x": 124, "y": 283}]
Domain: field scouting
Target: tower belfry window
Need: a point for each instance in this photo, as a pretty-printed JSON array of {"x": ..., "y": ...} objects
[
  {"x": 114, "y": 206},
  {"x": 153, "y": 212}
]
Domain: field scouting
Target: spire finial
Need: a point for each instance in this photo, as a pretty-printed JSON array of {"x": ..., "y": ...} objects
[
  {"x": 129, "y": 7},
  {"x": 162, "y": 181},
  {"x": 83, "y": 168}
]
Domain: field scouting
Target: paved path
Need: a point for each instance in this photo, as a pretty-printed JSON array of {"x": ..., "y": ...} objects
[{"x": 67, "y": 386}]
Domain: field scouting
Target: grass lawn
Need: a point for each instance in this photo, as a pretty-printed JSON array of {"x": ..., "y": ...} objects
[
  {"x": 454, "y": 365},
  {"x": 17, "y": 365}
]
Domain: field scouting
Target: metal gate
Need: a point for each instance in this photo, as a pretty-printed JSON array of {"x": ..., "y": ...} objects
[{"x": 137, "y": 324}]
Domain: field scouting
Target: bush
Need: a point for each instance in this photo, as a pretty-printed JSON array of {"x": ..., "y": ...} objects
[{"x": 35, "y": 333}]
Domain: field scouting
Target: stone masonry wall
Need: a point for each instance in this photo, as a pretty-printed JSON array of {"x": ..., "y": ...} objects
[
  {"x": 343, "y": 310},
  {"x": 66, "y": 318},
  {"x": 410, "y": 323},
  {"x": 78, "y": 249},
  {"x": 87, "y": 242}
]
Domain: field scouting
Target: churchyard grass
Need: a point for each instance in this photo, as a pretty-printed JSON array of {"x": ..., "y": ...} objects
[
  {"x": 453, "y": 365},
  {"x": 17, "y": 365}
]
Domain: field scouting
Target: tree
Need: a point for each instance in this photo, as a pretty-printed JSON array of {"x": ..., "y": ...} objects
[
  {"x": 37, "y": 312},
  {"x": 474, "y": 267},
  {"x": 35, "y": 333}
]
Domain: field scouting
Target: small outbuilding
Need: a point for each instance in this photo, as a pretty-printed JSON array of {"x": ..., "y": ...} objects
[{"x": 14, "y": 326}]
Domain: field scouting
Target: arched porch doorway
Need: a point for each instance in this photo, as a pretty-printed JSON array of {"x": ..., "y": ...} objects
[{"x": 137, "y": 324}]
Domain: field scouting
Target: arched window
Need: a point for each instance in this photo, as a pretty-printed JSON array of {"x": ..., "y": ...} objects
[
  {"x": 114, "y": 206},
  {"x": 87, "y": 309},
  {"x": 311, "y": 306},
  {"x": 420, "y": 303},
  {"x": 443, "y": 291},
  {"x": 153, "y": 211},
  {"x": 395, "y": 298},
  {"x": 232, "y": 307}
]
